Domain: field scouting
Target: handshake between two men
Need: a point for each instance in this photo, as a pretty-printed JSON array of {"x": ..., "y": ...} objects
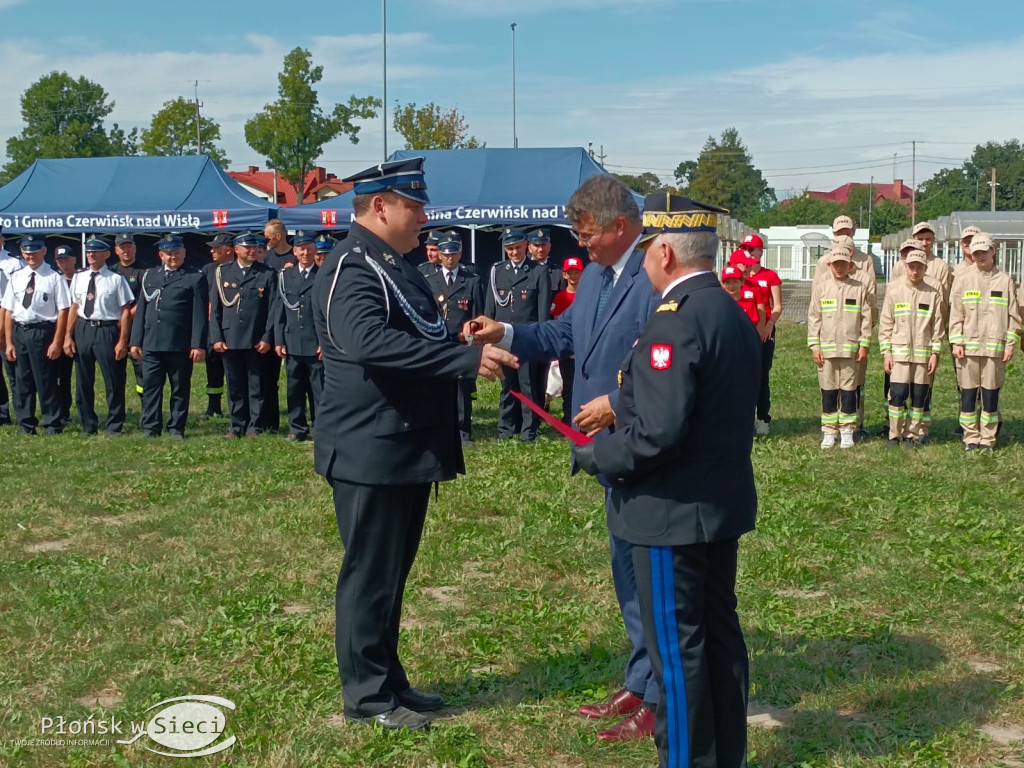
[{"x": 593, "y": 417}]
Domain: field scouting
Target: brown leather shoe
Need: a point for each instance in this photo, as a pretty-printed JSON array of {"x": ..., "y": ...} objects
[
  {"x": 639, "y": 725},
  {"x": 621, "y": 704}
]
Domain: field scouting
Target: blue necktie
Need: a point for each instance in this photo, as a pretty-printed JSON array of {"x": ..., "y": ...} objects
[{"x": 607, "y": 283}]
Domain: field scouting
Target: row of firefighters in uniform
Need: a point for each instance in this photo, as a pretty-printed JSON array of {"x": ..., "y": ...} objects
[
  {"x": 975, "y": 305},
  {"x": 238, "y": 314}
]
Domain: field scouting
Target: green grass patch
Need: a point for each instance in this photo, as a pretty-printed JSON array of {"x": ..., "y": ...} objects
[{"x": 882, "y": 595}]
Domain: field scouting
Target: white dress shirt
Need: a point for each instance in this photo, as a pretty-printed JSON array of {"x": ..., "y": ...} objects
[
  {"x": 112, "y": 293},
  {"x": 50, "y": 296}
]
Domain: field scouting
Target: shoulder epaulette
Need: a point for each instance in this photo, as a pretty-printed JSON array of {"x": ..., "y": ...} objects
[{"x": 668, "y": 306}]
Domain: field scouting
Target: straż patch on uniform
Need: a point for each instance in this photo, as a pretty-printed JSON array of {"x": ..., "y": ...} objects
[{"x": 661, "y": 357}]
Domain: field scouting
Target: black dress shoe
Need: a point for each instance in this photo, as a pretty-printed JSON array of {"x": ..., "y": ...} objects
[
  {"x": 418, "y": 701},
  {"x": 395, "y": 720}
]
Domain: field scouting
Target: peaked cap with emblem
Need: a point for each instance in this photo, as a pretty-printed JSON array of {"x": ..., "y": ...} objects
[
  {"x": 170, "y": 242},
  {"x": 665, "y": 213},
  {"x": 302, "y": 238},
  {"x": 248, "y": 239},
  {"x": 538, "y": 236},
  {"x": 450, "y": 242},
  {"x": 325, "y": 243},
  {"x": 403, "y": 177},
  {"x": 32, "y": 243},
  {"x": 95, "y": 244},
  {"x": 510, "y": 236},
  {"x": 222, "y": 238}
]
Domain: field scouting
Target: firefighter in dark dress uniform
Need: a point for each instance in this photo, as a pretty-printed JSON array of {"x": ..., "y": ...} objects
[
  {"x": 222, "y": 251},
  {"x": 169, "y": 336},
  {"x": 460, "y": 297},
  {"x": 242, "y": 331},
  {"x": 386, "y": 430},
  {"x": 67, "y": 264},
  {"x": 518, "y": 292},
  {"x": 128, "y": 266},
  {"x": 295, "y": 336}
]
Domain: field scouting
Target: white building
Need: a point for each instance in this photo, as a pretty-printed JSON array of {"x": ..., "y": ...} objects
[{"x": 793, "y": 252}]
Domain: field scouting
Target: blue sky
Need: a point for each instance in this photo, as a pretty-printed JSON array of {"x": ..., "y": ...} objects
[{"x": 822, "y": 92}]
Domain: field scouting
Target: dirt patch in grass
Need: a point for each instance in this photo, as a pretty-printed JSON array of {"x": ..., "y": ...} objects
[
  {"x": 763, "y": 716},
  {"x": 1005, "y": 734},
  {"x": 295, "y": 608},
  {"x": 445, "y": 595},
  {"x": 984, "y": 666},
  {"x": 803, "y": 594},
  {"x": 108, "y": 698},
  {"x": 57, "y": 545}
]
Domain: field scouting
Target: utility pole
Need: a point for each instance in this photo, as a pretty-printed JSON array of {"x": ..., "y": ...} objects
[
  {"x": 601, "y": 156},
  {"x": 590, "y": 149},
  {"x": 515, "y": 137},
  {"x": 913, "y": 186},
  {"x": 993, "y": 184},
  {"x": 198, "y": 104},
  {"x": 871, "y": 199}
]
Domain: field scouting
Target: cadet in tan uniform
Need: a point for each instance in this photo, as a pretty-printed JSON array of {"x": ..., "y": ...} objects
[
  {"x": 838, "y": 334},
  {"x": 843, "y": 230},
  {"x": 983, "y": 325},
  {"x": 966, "y": 234},
  {"x": 910, "y": 333}
]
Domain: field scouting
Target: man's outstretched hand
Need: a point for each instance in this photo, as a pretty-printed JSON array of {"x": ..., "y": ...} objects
[
  {"x": 491, "y": 361},
  {"x": 482, "y": 330}
]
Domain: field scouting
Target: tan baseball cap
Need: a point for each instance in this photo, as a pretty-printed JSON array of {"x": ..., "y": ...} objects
[
  {"x": 970, "y": 231},
  {"x": 844, "y": 241},
  {"x": 843, "y": 222},
  {"x": 923, "y": 226},
  {"x": 916, "y": 255},
  {"x": 913, "y": 243},
  {"x": 982, "y": 242},
  {"x": 838, "y": 253}
]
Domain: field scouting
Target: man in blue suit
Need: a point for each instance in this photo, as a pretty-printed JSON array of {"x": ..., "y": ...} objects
[{"x": 613, "y": 303}]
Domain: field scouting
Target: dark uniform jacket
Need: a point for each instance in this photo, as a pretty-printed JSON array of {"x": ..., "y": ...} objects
[
  {"x": 460, "y": 303},
  {"x": 679, "y": 459},
  {"x": 240, "y": 313},
  {"x": 277, "y": 261},
  {"x": 388, "y": 414},
  {"x": 555, "y": 279},
  {"x": 522, "y": 298},
  {"x": 293, "y": 312},
  {"x": 171, "y": 314}
]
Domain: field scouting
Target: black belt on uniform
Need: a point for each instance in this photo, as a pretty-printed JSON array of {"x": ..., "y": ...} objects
[
  {"x": 99, "y": 323},
  {"x": 42, "y": 324}
]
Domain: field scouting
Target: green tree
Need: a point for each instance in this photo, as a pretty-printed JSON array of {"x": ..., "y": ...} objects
[
  {"x": 888, "y": 216},
  {"x": 725, "y": 175},
  {"x": 798, "y": 210},
  {"x": 172, "y": 131},
  {"x": 684, "y": 172},
  {"x": 643, "y": 183},
  {"x": 431, "y": 127},
  {"x": 291, "y": 132},
  {"x": 123, "y": 144},
  {"x": 63, "y": 118}
]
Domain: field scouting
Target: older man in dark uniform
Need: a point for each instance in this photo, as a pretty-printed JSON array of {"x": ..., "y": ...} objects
[
  {"x": 460, "y": 297},
  {"x": 222, "y": 251},
  {"x": 518, "y": 292},
  {"x": 379, "y": 442},
  {"x": 682, "y": 484},
  {"x": 295, "y": 336},
  {"x": 433, "y": 262},
  {"x": 242, "y": 331},
  {"x": 168, "y": 336}
]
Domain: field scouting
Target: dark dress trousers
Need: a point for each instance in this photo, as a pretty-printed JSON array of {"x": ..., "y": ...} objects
[
  {"x": 518, "y": 295},
  {"x": 599, "y": 346},
  {"x": 387, "y": 428},
  {"x": 682, "y": 494},
  {"x": 214, "y": 362},
  {"x": 459, "y": 303},
  {"x": 295, "y": 329},
  {"x": 271, "y": 418},
  {"x": 241, "y": 317},
  {"x": 170, "y": 321}
]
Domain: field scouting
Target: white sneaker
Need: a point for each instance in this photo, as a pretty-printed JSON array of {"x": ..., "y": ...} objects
[
  {"x": 761, "y": 428},
  {"x": 828, "y": 440},
  {"x": 846, "y": 439}
]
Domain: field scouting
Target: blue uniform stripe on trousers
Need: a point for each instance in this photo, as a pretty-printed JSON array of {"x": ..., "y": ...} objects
[{"x": 663, "y": 596}]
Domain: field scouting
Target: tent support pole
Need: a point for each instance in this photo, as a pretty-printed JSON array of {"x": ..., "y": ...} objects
[
  {"x": 472, "y": 245},
  {"x": 84, "y": 262}
]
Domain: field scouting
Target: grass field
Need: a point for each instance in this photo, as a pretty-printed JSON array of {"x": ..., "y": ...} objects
[{"x": 882, "y": 596}]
